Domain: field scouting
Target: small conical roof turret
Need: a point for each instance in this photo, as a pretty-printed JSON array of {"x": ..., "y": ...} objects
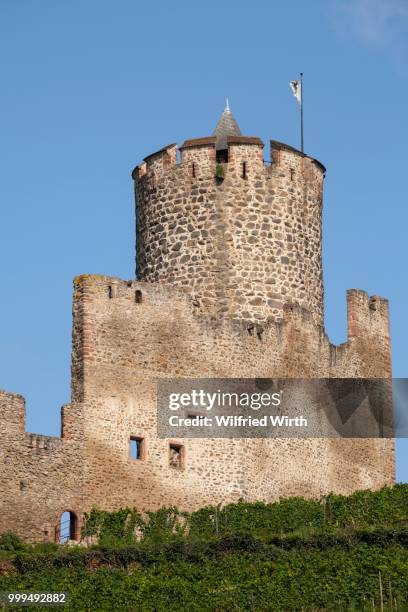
[{"x": 226, "y": 126}]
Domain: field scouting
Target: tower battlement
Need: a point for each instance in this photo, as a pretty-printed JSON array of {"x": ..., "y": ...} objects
[
  {"x": 198, "y": 159},
  {"x": 241, "y": 236}
]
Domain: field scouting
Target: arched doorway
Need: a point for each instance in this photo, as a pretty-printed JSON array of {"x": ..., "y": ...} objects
[{"x": 67, "y": 528}]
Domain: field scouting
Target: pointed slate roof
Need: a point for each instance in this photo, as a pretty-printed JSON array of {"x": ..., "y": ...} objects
[{"x": 226, "y": 126}]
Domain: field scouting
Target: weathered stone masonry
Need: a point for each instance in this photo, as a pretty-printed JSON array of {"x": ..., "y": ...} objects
[{"x": 229, "y": 285}]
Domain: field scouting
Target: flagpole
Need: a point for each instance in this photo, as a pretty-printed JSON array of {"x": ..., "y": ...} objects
[{"x": 301, "y": 113}]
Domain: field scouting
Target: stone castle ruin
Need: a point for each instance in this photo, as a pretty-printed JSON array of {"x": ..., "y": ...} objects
[{"x": 229, "y": 285}]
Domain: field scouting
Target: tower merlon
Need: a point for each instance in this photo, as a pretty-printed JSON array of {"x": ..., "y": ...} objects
[
  {"x": 198, "y": 156},
  {"x": 367, "y": 315},
  {"x": 157, "y": 163},
  {"x": 283, "y": 155},
  {"x": 246, "y": 150},
  {"x": 12, "y": 414}
]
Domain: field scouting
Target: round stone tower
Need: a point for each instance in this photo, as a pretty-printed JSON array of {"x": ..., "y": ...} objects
[{"x": 242, "y": 236}]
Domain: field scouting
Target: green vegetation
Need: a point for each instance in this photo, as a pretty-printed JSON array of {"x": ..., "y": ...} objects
[
  {"x": 220, "y": 171},
  {"x": 339, "y": 553},
  {"x": 9, "y": 541}
]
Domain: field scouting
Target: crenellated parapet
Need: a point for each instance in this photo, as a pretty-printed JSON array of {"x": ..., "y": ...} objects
[
  {"x": 13, "y": 424},
  {"x": 125, "y": 317},
  {"x": 198, "y": 157}
]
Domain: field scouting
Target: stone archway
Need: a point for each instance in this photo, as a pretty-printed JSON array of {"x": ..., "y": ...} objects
[{"x": 67, "y": 528}]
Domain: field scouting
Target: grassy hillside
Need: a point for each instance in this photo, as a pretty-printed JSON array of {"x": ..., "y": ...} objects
[{"x": 339, "y": 553}]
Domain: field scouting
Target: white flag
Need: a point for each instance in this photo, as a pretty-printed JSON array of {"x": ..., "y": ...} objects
[{"x": 296, "y": 87}]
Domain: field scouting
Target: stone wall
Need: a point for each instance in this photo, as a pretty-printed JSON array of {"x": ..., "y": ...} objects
[{"x": 147, "y": 331}]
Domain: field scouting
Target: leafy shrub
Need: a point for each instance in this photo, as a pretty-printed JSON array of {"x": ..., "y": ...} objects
[
  {"x": 112, "y": 528},
  {"x": 44, "y": 547},
  {"x": 164, "y": 525},
  {"x": 11, "y": 542}
]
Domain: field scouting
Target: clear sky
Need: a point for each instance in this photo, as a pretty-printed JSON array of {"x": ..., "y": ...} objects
[{"x": 89, "y": 88}]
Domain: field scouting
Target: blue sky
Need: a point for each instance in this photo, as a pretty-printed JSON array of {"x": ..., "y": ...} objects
[{"x": 90, "y": 88}]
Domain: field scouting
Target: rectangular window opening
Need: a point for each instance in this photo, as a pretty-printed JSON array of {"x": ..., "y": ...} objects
[
  {"x": 176, "y": 456},
  {"x": 137, "y": 448}
]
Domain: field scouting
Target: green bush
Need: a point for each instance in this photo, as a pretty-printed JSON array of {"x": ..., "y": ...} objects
[
  {"x": 44, "y": 547},
  {"x": 11, "y": 542},
  {"x": 112, "y": 528}
]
